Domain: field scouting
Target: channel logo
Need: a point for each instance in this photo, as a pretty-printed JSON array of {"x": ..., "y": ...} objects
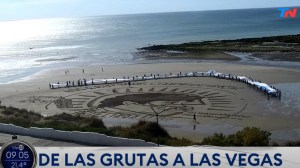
[{"x": 288, "y": 12}]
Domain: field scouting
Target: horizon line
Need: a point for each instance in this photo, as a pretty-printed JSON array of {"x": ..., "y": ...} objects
[{"x": 124, "y": 14}]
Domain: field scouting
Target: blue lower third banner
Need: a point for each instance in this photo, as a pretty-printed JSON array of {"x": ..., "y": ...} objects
[{"x": 281, "y": 157}]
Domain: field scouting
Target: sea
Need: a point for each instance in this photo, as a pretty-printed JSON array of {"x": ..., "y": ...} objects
[{"x": 30, "y": 46}]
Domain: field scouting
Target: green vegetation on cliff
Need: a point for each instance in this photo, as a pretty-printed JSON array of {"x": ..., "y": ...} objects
[{"x": 148, "y": 131}]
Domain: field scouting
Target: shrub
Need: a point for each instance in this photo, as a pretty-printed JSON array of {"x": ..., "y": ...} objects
[
  {"x": 96, "y": 123},
  {"x": 249, "y": 136},
  {"x": 216, "y": 140},
  {"x": 252, "y": 136}
]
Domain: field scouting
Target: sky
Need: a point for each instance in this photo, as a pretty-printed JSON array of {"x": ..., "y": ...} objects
[{"x": 36, "y": 9}]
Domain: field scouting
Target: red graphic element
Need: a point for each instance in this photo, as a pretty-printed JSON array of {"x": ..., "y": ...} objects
[{"x": 291, "y": 13}]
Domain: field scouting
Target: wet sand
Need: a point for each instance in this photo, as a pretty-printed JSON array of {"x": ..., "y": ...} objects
[{"x": 40, "y": 81}]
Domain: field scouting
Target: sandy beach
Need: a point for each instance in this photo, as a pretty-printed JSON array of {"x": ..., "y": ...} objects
[{"x": 220, "y": 105}]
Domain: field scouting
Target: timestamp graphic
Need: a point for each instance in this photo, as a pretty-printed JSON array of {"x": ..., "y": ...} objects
[{"x": 18, "y": 154}]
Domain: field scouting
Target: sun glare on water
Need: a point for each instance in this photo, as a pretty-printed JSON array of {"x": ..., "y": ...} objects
[{"x": 25, "y": 30}]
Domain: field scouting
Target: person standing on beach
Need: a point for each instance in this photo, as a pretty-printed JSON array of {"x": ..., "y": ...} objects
[
  {"x": 83, "y": 71},
  {"x": 129, "y": 83},
  {"x": 279, "y": 95},
  {"x": 194, "y": 118},
  {"x": 102, "y": 70}
]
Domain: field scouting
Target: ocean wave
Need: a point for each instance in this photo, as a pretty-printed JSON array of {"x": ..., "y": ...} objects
[
  {"x": 56, "y": 59},
  {"x": 57, "y": 48}
]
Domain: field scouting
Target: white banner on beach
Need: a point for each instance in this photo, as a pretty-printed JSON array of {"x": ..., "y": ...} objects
[{"x": 211, "y": 73}]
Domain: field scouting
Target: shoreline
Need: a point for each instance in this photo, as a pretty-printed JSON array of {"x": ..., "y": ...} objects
[
  {"x": 262, "y": 63},
  {"x": 40, "y": 80},
  {"x": 284, "y": 53},
  {"x": 271, "y": 51}
]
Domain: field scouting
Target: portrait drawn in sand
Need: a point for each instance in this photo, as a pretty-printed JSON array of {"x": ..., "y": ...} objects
[{"x": 187, "y": 106}]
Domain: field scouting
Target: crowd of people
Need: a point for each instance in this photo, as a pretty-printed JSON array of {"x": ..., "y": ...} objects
[
  {"x": 275, "y": 92},
  {"x": 268, "y": 90}
]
